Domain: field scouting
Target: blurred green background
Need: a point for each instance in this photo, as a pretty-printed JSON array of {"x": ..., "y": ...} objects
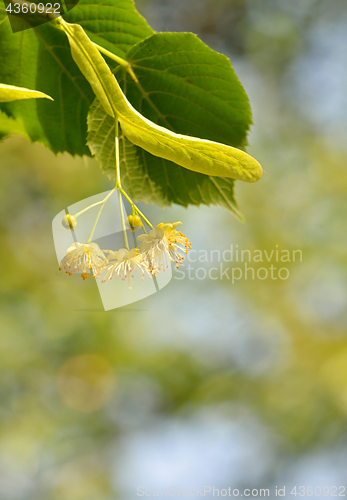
[{"x": 208, "y": 382}]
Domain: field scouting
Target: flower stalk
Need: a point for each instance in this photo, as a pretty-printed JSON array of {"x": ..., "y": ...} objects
[
  {"x": 125, "y": 237},
  {"x": 91, "y": 234}
]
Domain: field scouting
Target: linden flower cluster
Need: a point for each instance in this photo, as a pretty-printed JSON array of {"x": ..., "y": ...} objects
[{"x": 162, "y": 245}]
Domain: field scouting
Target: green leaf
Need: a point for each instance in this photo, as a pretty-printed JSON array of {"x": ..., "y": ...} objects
[
  {"x": 11, "y": 93},
  {"x": 10, "y": 126},
  {"x": 189, "y": 88},
  {"x": 151, "y": 179},
  {"x": 114, "y": 24},
  {"x": 41, "y": 58},
  {"x": 199, "y": 155},
  {"x": 186, "y": 86},
  {"x": 3, "y": 13}
]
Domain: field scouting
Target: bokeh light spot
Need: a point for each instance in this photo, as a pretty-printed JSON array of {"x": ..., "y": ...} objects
[{"x": 86, "y": 382}]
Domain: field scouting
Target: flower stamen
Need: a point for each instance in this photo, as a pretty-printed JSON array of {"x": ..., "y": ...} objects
[
  {"x": 81, "y": 258},
  {"x": 164, "y": 244}
]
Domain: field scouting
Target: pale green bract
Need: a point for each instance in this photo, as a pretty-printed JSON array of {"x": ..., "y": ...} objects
[
  {"x": 203, "y": 156},
  {"x": 11, "y": 93}
]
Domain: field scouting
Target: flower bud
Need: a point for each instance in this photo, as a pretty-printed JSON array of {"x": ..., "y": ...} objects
[
  {"x": 134, "y": 222},
  {"x": 69, "y": 221}
]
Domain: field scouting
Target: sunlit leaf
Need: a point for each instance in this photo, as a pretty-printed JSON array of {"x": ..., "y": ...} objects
[
  {"x": 11, "y": 93},
  {"x": 198, "y": 155},
  {"x": 40, "y": 58},
  {"x": 152, "y": 179}
]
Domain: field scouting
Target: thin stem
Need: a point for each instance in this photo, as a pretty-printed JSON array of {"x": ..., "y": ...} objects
[
  {"x": 125, "y": 237},
  {"x": 98, "y": 216},
  {"x": 118, "y": 60},
  {"x": 122, "y": 62},
  {"x": 116, "y": 154},
  {"x": 137, "y": 209},
  {"x": 144, "y": 218},
  {"x": 118, "y": 177},
  {"x": 90, "y": 206},
  {"x": 109, "y": 54},
  {"x": 156, "y": 283},
  {"x": 118, "y": 182},
  {"x": 134, "y": 239}
]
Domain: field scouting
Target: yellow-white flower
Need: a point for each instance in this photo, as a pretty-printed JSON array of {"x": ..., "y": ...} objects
[
  {"x": 163, "y": 244},
  {"x": 81, "y": 257},
  {"x": 124, "y": 263}
]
